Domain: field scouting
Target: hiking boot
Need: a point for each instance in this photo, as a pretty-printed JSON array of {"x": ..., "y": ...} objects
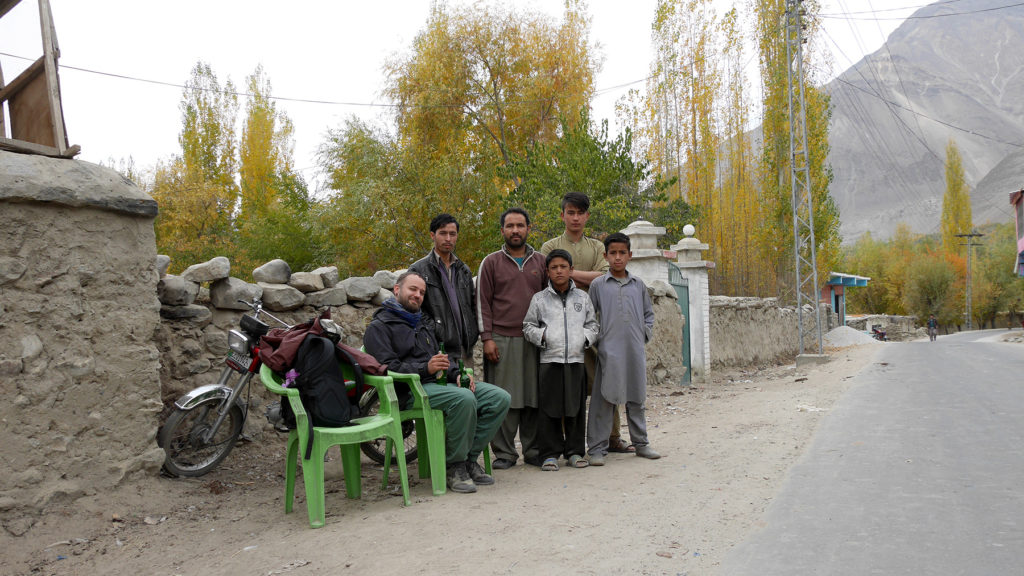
[
  {"x": 477, "y": 474},
  {"x": 459, "y": 480},
  {"x": 646, "y": 451}
]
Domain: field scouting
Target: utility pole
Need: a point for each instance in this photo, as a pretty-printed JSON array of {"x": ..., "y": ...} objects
[
  {"x": 807, "y": 289},
  {"x": 970, "y": 248}
]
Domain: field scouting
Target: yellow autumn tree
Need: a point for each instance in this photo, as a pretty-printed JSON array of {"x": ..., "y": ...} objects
[
  {"x": 489, "y": 80},
  {"x": 196, "y": 190},
  {"x": 956, "y": 202}
]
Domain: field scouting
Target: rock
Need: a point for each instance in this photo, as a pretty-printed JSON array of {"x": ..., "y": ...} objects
[
  {"x": 162, "y": 263},
  {"x": 226, "y": 293},
  {"x": 381, "y": 297},
  {"x": 662, "y": 288},
  {"x": 31, "y": 346},
  {"x": 11, "y": 269},
  {"x": 194, "y": 312},
  {"x": 281, "y": 297},
  {"x": 385, "y": 278},
  {"x": 176, "y": 291},
  {"x": 216, "y": 340},
  {"x": 329, "y": 275},
  {"x": 11, "y": 366},
  {"x": 273, "y": 272},
  {"x": 327, "y": 297},
  {"x": 306, "y": 282},
  {"x": 215, "y": 269},
  {"x": 360, "y": 288}
]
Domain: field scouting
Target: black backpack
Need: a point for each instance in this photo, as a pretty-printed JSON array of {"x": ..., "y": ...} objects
[{"x": 321, "y": 386}]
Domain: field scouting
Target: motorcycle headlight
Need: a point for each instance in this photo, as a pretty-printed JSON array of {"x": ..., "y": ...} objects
[{"x": 238, "y": 342}]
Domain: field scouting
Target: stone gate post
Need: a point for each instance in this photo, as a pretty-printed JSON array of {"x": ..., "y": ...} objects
[{"x": 695, "y": 270}]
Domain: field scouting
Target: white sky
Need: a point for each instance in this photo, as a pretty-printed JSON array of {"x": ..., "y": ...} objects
[{"x": 320, "y": 50}]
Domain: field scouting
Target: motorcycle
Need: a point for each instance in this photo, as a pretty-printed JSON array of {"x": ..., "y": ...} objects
[
  {"x": 207, "y": 421},
  {"x": 878, "y": 334}
]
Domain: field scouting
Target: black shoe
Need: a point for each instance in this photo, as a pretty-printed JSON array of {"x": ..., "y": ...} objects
[
  {"x": 503, "y": 464},
  {"x": 459, "y": 480},
  {"x": 477, "y": 474}
]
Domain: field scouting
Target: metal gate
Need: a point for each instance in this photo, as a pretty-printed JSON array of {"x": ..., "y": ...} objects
[{"x": 682, "y": 288}]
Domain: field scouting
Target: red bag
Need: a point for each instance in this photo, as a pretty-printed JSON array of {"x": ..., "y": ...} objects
[{"x": 279, "y": 346}]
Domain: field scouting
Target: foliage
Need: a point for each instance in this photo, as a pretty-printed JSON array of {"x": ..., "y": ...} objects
[
  {"x": 204, "y": 212},
  {"x": 585, "y": 159},
  {"x": 956, "y": 201},
  {"x": 930, "y": 289},
  {"x": 385, "y": 196},
  {"x": 483, "y": 82},
  {"x": 775, "y": 167}
]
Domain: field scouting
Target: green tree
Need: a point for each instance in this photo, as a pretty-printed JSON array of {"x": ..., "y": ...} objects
[
  {"x": 931, "y": 289},
  {"x": 585, "y": 159},
  {"x": 384, "y": 196},
  {"x": 956, "y": 201}
]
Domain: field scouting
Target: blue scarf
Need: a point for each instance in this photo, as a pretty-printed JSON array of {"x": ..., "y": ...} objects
[{"x": 410, "y": 318}]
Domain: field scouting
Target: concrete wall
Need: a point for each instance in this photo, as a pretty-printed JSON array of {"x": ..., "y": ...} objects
[{"x": 78, "y": 368}]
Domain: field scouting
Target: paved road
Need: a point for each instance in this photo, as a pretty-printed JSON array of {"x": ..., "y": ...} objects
[{"x": 919, "y": 469}]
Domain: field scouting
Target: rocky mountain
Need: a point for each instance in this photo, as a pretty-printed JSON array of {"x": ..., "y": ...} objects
[{"x": 952, "y": 70}]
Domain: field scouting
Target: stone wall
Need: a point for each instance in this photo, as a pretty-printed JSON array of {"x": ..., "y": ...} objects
[
  {"x": 196, "y": 315},
  {"x": 753, "y": 331},
  {"x": 78, "y": 368}
]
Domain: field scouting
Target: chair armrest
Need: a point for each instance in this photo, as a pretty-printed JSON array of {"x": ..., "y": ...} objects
[
  {"x": 420, "y": 398},
  {"x": 272, "y": 382},
  {"x": 385, "y": 392}
]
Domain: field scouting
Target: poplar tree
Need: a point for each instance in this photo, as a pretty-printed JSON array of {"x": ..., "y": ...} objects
[{"x": 956, "y": 201}]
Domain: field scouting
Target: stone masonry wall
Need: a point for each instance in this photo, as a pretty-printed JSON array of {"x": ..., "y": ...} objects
[
  {"x": 195, "y": 319},
  {"x": 79, "y": 373}
]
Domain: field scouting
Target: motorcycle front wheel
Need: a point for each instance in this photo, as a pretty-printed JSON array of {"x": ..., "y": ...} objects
[
  {"x": 182, "y": 438},
  {"x": 369, "y": 404}
]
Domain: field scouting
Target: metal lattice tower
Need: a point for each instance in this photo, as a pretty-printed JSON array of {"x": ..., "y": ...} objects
[{"x": 807, "y": 289}]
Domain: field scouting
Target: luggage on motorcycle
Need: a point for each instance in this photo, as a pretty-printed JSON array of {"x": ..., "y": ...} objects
[{"x": 321, "y": 386}]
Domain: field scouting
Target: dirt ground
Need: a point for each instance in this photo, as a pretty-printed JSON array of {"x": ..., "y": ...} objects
[{"x": 727, "y": 448}]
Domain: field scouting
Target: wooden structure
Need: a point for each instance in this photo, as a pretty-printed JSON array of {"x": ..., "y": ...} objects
[{"x": 33, "y": 98}]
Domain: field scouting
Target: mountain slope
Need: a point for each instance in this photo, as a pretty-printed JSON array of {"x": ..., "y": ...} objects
[{"x": 895, "y": 110}]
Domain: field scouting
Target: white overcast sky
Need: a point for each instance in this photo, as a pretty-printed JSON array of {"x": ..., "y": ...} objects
[{"x": 318, "y": 50}]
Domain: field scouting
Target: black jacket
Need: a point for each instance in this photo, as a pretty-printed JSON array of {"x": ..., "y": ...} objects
[
  {"x": 436, "y": 305},
  {"x": 403, "y": 348}
]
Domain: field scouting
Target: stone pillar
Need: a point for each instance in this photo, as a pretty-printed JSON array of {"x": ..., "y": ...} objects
[
  {"x": 79, "y": 372},
  {"x": 648, "y": 262},
  {"x": 695, "y": 270}
]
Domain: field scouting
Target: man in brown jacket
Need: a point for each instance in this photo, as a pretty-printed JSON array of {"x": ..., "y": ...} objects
[{"x": 507, "y": 280}]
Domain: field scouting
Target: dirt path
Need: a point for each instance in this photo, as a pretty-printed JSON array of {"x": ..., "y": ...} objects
[{"x": 727, "y": 448}]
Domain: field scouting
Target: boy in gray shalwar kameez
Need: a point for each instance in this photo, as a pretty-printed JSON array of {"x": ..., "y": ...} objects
[{"x": 626, "y": 317}]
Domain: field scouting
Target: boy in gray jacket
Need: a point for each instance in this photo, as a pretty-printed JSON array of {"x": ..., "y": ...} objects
[{"x": 561, "y": 323}]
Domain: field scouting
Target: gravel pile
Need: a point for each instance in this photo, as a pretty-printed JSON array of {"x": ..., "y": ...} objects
[{"x": 845, "y": 336}]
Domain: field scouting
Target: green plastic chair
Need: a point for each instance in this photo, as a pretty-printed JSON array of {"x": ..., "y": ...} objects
[
  {"x": 382, "y": 425},
  {"x": 430, "y": 434}
]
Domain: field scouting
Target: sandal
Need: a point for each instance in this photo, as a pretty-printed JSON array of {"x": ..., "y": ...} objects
[
  {"x": 577, "y": 461},
  {"x": 621, "y": 446},
  {"x": 550, "y": 465}
]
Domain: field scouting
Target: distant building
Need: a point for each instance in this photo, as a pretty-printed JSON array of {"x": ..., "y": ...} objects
[
  {"x": 1017, "y": 201},
  {"x": 834, "y": 292}
]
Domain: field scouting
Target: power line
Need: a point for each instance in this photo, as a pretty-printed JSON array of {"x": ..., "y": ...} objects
[
  {"x": 926, "y": 16},
  {"x": 921, "y": 114}
]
